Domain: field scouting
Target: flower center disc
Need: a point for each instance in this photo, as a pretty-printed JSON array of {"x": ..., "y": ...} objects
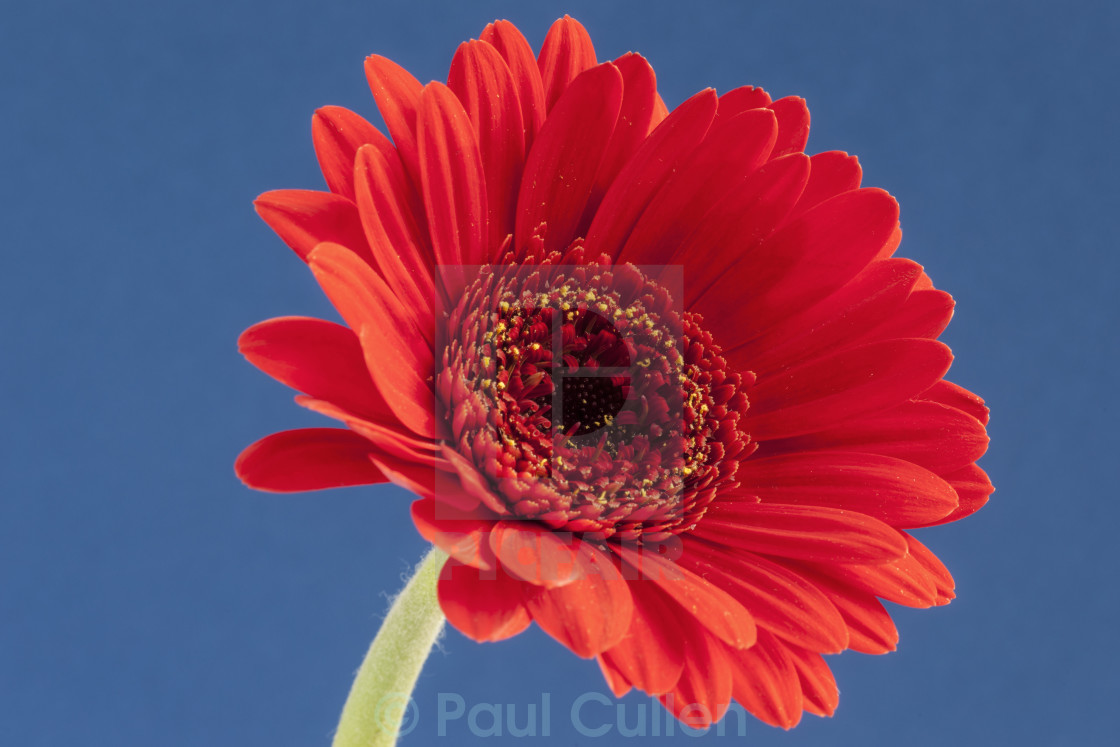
[{"x": 588, "y": 400}]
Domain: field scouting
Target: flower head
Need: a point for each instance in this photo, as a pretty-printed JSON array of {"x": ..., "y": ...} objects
[{"x": 657, "y": 378}]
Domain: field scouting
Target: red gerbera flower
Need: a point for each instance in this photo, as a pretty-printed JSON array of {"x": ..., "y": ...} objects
[{"x": 657, "y": 377}]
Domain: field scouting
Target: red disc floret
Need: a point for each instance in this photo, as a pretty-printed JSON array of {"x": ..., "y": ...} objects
[{"x": 588, "y": 401}]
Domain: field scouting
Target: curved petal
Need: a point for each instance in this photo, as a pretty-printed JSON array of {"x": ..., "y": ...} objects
[
  {"x": 639, "y": 88},
  {"x": 766, "y": 682},
  {"x": 793, "y": 125},
  {"x": 650, "y": 656},
  {"x": 385, "y": 200},
  {"x": 818, "y": 687},
  {"x": 925, "y": 313},
  {"x": 895, "y": 491},
  {"x": 397, "y": 94},
  {"x": 484, "y": 84},
  {"x": 832, "y": 323},
  {"x": 739, "y": 221},
  {"x": 338, "y": 133},
  {"x": 536, "y": 554},
  {"x": 517, "y": 53},
  {"x": 836, "y": 388},
  {"x": 808, "y": 532},
  {"x": 482, "y": 605},
  {"x": 833, "y": 172},
  {"x": 567, "y": 51},
  {"x": 385, "y": 331},
  {"x": 942, "y": 579},
  {"x": 703, "y": 693},
  {"x": 780, "y": 600},
  {"x": 464, "y": 534},
  {"x": 716, "y": 610},
  {"x": 731, "y": 150},
  {"x": 560, "y": 170},
  {"x": 799, "y": 265},
  {"x": 453, "y": 183},
  {"x": 308, "y": 459},
  {"x": 938, "y": 437},
  {"x": 870, "y": 628},
  {"x": 948, "y": 393},
  {"x": 304, "y": 219},
  {"x": 741, "y": 99},
  {"x": 319, "y": 358},
  {"x": 904, "y": 581},
  {"x": 590, "y": 614},
  {"x": 972, "y": 487},
  {"x": 666, "y": 149},
  {"x": 394, "y": 440}
]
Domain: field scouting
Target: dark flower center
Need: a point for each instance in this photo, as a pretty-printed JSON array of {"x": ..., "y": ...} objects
[{"x": 588, "y": 400}]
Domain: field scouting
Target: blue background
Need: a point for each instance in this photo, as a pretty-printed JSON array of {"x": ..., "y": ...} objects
[{"x": 149, "y": 599}]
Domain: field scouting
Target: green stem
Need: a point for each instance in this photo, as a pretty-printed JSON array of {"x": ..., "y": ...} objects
[{"x": 379, "y": 698}]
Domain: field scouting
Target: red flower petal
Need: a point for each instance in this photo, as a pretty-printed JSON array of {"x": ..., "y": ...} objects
[
  {"x": 716, "y": 610},
  {"x": 940, "y": 438},
  {"x": 650, "y": 655},
  {"x": 943, "y": 580},
  {"x": 392, "y": 211},
  {"x": 517, "y": 53},
  {"x": 453, "y": 183},
  {"x": 304, "y": 219},
  {"x": 870, "y": 628},
  {"x": 818, "y": 687},
  {"x": 833, "y": 172},
  {"x": 639, "y": 88},
  {"x": 661, "y": 155},
  {"x": 740, "y": 220},
  {"x": 731, "y": 150},
  {"x": 590, "y": 614},
  {"x": 338, "y": 133},
  {"x": 926, "y": 313},
  {"x": 834, "y": 322},
  {"x": 560, "y": 171},
  {"x": 703, "y": 692},
  {"x": 308, "y": 459},
  {"x": 778, "y": 599},
  {"x": 387, "y": 203},
  {"x": 483, "y": 82},
  {"x": 738, "y": 100},
  {"x": 896, "y": 491},
  {"x": 834, "y": 389},
  {"x": 397, "y": 94},
  {"x": 316, "y": 357},
  {"x": 904, "y": 581},
  {"x": 537, "y": 555},
  {"x": 973, "y": 488},
  {"x": 793, "y": 125},
  {"x": 799, "y": 265},
  {"x": 482, "y": 605},
  {"x": 948, "y": 393},
  {"x": 767, "y": 683},
  {"x": 392, "y": 440},
  {"x": 616, "y": 680},
  {"x": 807, "y": 532},
  {"x": 368, "y": 306},
  {"x": 462, "y": 534},
  {"x": 567, "y": 51}
]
